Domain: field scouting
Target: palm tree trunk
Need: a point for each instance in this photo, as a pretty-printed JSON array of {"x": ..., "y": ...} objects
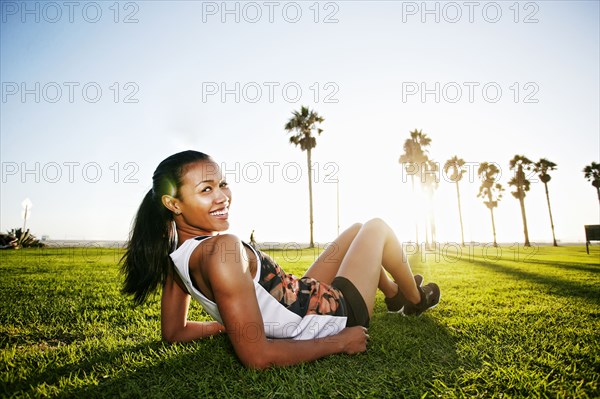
[
  {"x": 427, "y": 222},
  {"x": 525, "y": 231},
  {"x": 598, "y": 189},
  {"x": 492, "y": 213},
  {"x": 308, "y": 158},
  {"x": 412, "y": 180},
  {"x": 550, "y": 211},
  {"x": 432, "y": 220},
  {"x": 462, "y": 232},
  {"x": 493, "y": 226},
  {"x": 433, "y": 229},
  {"x": 426, "y": 232}
]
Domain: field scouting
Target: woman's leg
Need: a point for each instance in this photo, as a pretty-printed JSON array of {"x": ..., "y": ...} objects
[
  {"x": 387, "y": 285},
  {"x": 375, "y": 244},
  {"x": 327, "y": 265}
]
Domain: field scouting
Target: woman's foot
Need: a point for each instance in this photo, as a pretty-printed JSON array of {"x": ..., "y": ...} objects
[
  {"x": 399, "y": 301},
  {"x": 430, "y": 297}
]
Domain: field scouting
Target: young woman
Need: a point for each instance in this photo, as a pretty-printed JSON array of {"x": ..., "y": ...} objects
[{"x": 271, "y": 318}]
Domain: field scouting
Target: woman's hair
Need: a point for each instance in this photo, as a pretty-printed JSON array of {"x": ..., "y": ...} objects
[{"x": 146, "y": 261}]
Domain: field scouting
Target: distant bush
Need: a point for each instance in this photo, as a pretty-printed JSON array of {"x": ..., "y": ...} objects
[{"x": 16, "y": 238}]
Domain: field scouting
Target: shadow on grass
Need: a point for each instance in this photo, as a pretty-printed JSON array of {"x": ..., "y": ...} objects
[
  {"x": 418, "y": 353},
  {"x": 580, "y": 266},
  {"x": 558, "y": 286},
  {"x": 178, "y": 371},
  {"x": 405, "y": 358},
  {"x": 52, "y": 375}
]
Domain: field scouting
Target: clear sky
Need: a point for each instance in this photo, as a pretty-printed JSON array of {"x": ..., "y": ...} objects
[{"x": 96, "y": 94}]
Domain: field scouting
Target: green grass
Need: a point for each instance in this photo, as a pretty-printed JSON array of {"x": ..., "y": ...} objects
[{"x": 525, "y": 324}]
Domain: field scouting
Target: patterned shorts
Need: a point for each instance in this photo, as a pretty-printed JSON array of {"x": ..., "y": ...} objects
[{"x": 302, "y": 296}]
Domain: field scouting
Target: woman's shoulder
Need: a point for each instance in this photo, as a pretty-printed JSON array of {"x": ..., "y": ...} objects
[
  {"x": 214, "y": 249},
  {"x": 217, "y": 243},
  {"x": 191, "y": 241},
  {"x": 219, "y": 247},
  {"x": 186, "y": 251},
  {"x": 192, "y": 244},
  {"x": 224, "y": 253}
]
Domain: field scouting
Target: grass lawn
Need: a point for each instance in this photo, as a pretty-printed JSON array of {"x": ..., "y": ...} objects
[{"x": 511, "y": 324}]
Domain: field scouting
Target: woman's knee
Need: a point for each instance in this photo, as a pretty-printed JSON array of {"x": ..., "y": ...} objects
[
  {"x": 355, "y": 227},
  {"x": 377, "y": 227},
  {"x": 377, "y": 223}
]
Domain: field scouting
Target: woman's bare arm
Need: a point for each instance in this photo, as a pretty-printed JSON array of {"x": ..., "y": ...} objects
[
  {"x": 174, "y": 309},
  {"x": 233, "y": 289}
]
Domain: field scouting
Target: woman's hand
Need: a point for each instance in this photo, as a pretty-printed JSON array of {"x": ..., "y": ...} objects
[{"x": 354, "y": 339}]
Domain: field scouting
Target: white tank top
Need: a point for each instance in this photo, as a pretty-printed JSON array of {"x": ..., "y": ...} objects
[{"x": 278, "y": 321}]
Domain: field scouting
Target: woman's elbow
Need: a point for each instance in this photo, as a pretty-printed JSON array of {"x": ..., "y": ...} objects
[
  {"x": 256, "y": 363},
  {"x": 169, "y": 339},
  {"x": 170, "y": 336},
  {"x": 256, "y": 359}
]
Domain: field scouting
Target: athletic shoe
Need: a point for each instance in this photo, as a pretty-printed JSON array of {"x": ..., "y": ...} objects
[
  {"x": 430, "y": 297},
  {"x": 398, "y": 301}
]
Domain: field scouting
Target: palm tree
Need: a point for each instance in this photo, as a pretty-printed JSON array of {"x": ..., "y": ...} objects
[
  {"x": 414, "y": 156},
  {"x": 542, "y": 167},
  {"x": 490, "y": 190},
  {"x": 456, "y": 165},
  {"x": 301, "y": 126},
  {"x": 430, "y": 182},
  {"x": 519, "y": 164},
  {"x": 592, "y": 174}
]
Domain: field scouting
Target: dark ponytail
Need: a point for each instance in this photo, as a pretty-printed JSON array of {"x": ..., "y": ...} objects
[{"x": 146, "y": 261}]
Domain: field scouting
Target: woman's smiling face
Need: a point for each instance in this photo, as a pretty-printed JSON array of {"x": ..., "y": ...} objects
[{"x": 203, "y": 200}]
